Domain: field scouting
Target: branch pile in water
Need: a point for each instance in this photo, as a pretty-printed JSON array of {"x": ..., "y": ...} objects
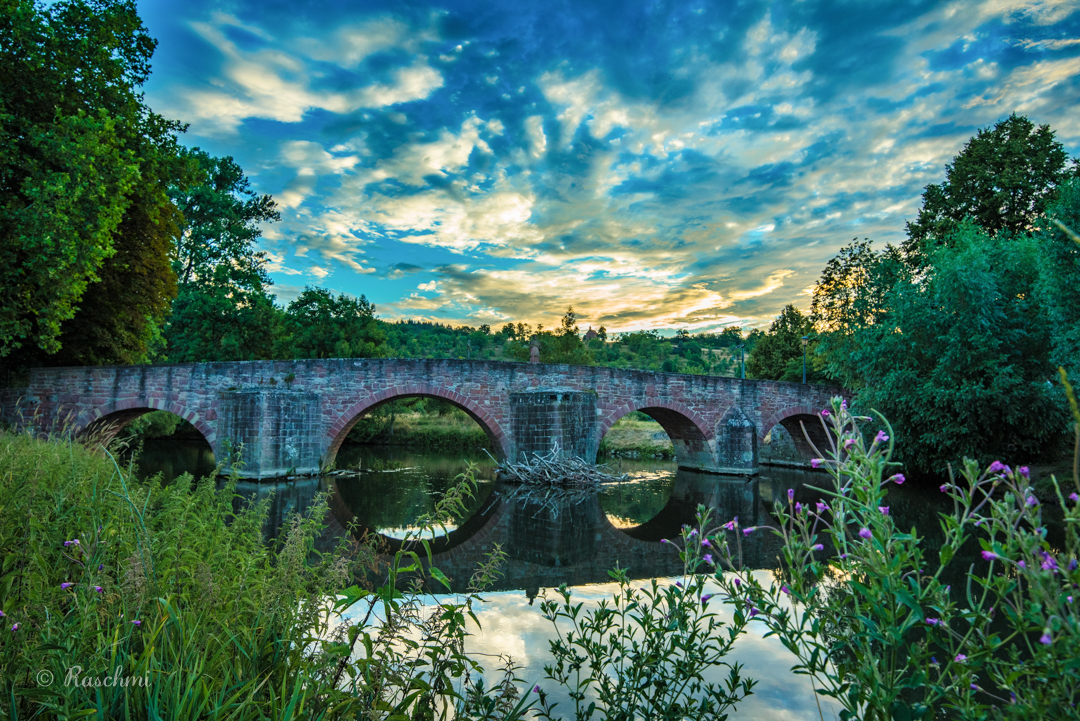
[{"x": 551, "y": 469}]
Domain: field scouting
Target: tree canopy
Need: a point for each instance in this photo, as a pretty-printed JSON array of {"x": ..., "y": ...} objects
[{"x": 778, "y": 354}]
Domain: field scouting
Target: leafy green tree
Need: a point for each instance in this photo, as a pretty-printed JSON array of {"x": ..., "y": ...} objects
[
  {"x": 778, "y": 354},
  {"x": 961, "y": 363},
  {"x": 222, "y": 311},
  {"x": 1059, "y": 285},
  {"x": 319, "y": 324},
  {"x": 563, "y": 345},
  {"x": 1003, "y": 179},
  {"x": 85, "y": 225}
]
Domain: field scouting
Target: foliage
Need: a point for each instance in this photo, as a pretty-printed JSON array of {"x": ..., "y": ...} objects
[
  {"x": 644, "y": 654},
  {"x": 879, "y": 630},
  {"x": 222, "y": 311},
  {"x": 1002, "y": 180},
  {"x": 175, "y": 588},
  {"x": 961, "y": 362},
  {"x": 83, "y": 165},
  {"x": 1059, "y": 276},
  {"x": 778, "y": 355},
  {"x": 319, "y": 324},
  {"x": 563, "y": 345}
]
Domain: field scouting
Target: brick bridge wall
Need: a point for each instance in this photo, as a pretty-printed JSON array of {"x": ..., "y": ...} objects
[{"x": 293, "y": 415}]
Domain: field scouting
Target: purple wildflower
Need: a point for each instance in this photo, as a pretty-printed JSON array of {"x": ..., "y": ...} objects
[
  {"x": 785, "y": 590},
  {"x": 933, "y": 621},
  {"x": 816, "y": 462},
  {"x": 960, "y": 658},
  {"x": 798, "y": 508},
  {"x": 974, "y": 687},
  {"x": 692, "y": 533},
  {"x": 15, "y": 628},
  {"x": 884, "y": 510},
  {"x": 136, "y": 623},
  {"x": 1069, "y": 599},
  {"x": 101, "y": 567},
  {"x": 731, "y": 525},
  {"x": 748, "y": 531},
  {"x": 1024, "y": 471},
  {"x": 1072, "y": 567},
  {"x": 1032, "y": 501},
  {"x": 843, "y": 404},
  {"x": 865, "y": 533},
  {"x": 898, "y": 479},
  {"x": 536, "y": 689},
  {"x": 664, "y": 540},
  {"x": 737, "y": 581},
  {"x": 753, "y": 612},
  {"x": 881, "y": 437},
  {"x": 989, "y": 555},
  {"x": 817, "y": 547},
  {"x": 73, "y": 542},
  {"x": 708, "y": 558},
  {"x": 943, "y": 487},
  {"x": 822, "y": 507},
  {"x": 1021, "y": 564},
  {"x": 65, "y": 586},
  {"x": 843, "y": 556},
  {"x": 1, "y": 614},
  {"x": 825, "y": 413},
  {"x": 1074, "y": 497},
  {"x": 997, "y": 467},
  {"x": 790, "y": 495},
  {"x": 679, "y": 584},
  {"x": 705, "y": 598},
  {"x": 849, "y": 443},
  {"x": 99, "y": 589},
  {"x": 1045, "y": 638}
]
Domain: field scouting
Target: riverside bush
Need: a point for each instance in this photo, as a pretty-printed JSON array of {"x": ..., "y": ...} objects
[
  {"x": 129, "y": 599},
  {"x": 877, "y": 628}
]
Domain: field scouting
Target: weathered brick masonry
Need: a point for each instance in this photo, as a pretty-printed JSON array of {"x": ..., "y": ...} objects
[{"x": 293, "y": 415}]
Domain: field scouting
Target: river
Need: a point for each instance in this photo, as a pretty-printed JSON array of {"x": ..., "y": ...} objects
[{"x": 573, "y": 541}]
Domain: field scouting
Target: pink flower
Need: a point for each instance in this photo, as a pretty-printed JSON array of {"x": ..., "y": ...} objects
[
  {"x": 881, "y": 437},
  {"x": 865, "y": 533},
  {"x": 933, "y": 621},
  {"x": 849, "y": 443},
  {"x": 732, "y": 524},
  {"x": 989, "y": 555},
  {"x": 884, "y": 510},
  {"x": 816, "y": 462},
  {"x": 1075, "y": 498},
  {"x": 705, "y": 543},
  {"x": 536, "y": 689},
  {"x": 998, "y": 467},
  {"x": 960, "y": 658},
  {"x": 843, "y": 404},
  {"x": 943, "y": 487},
  {"x": 1021, "y": 564},
  {"x": 898, "y": 479},
  {"x": 748, "y": 531},
  {"x": 825, "y": 413},
  {"x": 817, "y": 547}
]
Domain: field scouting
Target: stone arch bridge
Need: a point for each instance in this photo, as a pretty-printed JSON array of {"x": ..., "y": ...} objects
[{"x": 291, "y": 416}]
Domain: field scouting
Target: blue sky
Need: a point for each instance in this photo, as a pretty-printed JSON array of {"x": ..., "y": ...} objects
[{"x": 657, "y": 165}]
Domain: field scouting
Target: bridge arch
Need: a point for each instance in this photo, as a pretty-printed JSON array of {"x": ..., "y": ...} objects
[
  {"x": 690, "y": 435},
  {"x": 345, "y": 422},
  {"x": 106, "y": 421},
  {"x": 793, "y": 420}
]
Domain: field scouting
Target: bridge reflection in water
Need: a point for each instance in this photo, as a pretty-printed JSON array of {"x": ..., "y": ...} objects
[{"x": 572, "y": 540}]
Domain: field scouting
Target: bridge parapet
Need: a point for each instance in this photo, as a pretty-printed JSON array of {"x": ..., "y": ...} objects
[{"x": 294, "y": 415}]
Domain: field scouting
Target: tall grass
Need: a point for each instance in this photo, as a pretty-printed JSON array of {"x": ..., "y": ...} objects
[{"x": 129, "y": 599}]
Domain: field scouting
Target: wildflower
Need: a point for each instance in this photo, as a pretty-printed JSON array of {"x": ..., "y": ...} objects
[
  {"x": 787, "y": 591},
  {"x": 817, "y": 547},
  {"x": 816, "y": 462},
  {"x": 753, "y": 612},
  {"x": 1021, "y": 564},
  {"x": 822, "y": 507},
  {"x": 989, "y": 555},
  {"x": 664, "y": 540},
  {"x": 15, "y": 628},
  {"x": 1, "y": 614},
  {"x": 1024, "y": 471},
  {"x": 933, "y": 621},
  {"x": 99, "y": 589},
  {"x": 732, "y": 524},
  {"x": 1069, "y": 599},
  {"x": 101, "y": 567},
  {"x": 880, "y": 437},
  {"x": 974, "y": 687},
  {"x": 1048, "y": 564},
  {"x": 1045, "y": 638},
  {"x": 933, "y": 661},
  {"x": 943, "y": 487},
  {"x": 825, "y": 413},
  {"x": 798, "y": 508},
  {"x": 997, "y": 467},
  {"x": 849, "y": 443},
  {"x": 65, "y": 586},
  {"x": 73, "y": 542},
  {"x": 1032, "y": 501},
  {"x": 708, "y": 558},
  {"x": 136, "y": 623},
  {"x": 843, "y": 404},
  {"x": 960, "y": 658},
  {"x": 897, "y": 478},
  {"x": 679, "y": 584},
  {"x": 884, "y": 510},
  {"x": 705, "y": 543},
  {"x": 1075, "y": 498},
  {"x": 865, "y": 533},
  {"x": 536, "y": 689},
  {"x": 748, "y": 531},
  {"x": 692, "y": 533},
  {"x": 790, "y": 495},
  {"x": 843, "y": 556},
  {"x": 705, "y": 598},
  {"x": 1072, "y": 567}
]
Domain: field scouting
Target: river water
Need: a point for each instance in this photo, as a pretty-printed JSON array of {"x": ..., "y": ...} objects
[{"x": 575, "y": 541}]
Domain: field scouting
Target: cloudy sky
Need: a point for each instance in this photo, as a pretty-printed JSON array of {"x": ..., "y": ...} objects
[{"x": 657, "y": 165}]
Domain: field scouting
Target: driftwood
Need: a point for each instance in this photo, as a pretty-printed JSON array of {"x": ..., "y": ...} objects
[{"x": 553, "y": 470}]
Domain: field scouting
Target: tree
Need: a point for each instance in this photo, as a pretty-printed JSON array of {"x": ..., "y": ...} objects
[
  {"x": 778, "y": 354},
  {"x": 1003, "y": 180},
  {"x": 601, "y": 334},
  {"x": 961, "y": 363},
  {"x": 83, "y": 168},
  {"x": 222, "y": 311},
  {"x": 563, "y": 345},
  {"x": 1059, "y": 277},
  {"x": 319, "y": 324}
]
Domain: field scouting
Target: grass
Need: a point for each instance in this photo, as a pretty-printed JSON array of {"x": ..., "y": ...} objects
[{"x": 633, "y": 437}]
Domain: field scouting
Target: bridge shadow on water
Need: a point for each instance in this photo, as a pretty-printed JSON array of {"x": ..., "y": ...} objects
[{"x": 572, "y": 540}]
